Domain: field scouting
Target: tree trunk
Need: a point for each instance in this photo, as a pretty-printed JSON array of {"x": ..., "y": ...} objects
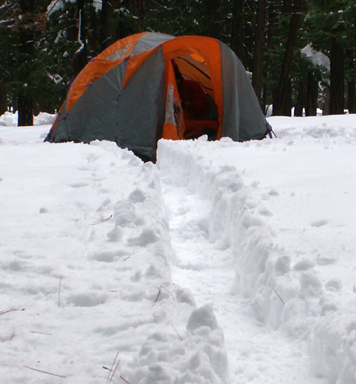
[
  {"x": 287, "y": 103},
  {"x": 95, "y": 32},
  {"x": 140, "y": 6},
  {"x": 109, "y": 23},
  {"x": 257, "y": 65},
  {"x": 106, "y": 30},
  {"x": 3, "y": 101},
  {"x": 237, "y": 37},
  {"x": 326, "y": 108},
  {"x": 302, "y": 91},
  {"x": 351, "y": 88},
  {"x": 272, "y": 17},
  {"x": 351, "y": 96},
  {"x": 212, "y": 9},
  {"x": 25, "y": 105},
  {"x": 336, "y": 78},
  {"x": 311, "y": 96},
  {"x": 283, "y": 94},
  {"x": 26, "y": 54}
]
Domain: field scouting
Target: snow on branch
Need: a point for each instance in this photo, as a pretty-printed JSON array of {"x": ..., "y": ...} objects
[{"x": 79, "y": 34}]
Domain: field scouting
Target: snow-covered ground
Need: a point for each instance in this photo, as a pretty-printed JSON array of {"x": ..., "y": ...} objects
[{"x": 224, "y": 263}]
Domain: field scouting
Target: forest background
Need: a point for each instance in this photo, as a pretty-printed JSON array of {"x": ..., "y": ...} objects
[{"x": 44, "y": 44}]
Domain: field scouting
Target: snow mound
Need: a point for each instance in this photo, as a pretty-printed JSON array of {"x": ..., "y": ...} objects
[
  {"x": 92, "y": 279},
  {"x": 284, "y": 288},
  {"x": 9, "y": 119}
]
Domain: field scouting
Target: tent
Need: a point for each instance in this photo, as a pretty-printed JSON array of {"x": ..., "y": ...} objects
[{"x": 128, "y": 93}]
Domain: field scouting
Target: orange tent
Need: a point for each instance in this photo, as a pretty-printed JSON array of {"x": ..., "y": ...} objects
[{"x": 128, "y": 94}]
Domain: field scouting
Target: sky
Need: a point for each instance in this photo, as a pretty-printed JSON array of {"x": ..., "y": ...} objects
[{"x": 224, "y": 263}]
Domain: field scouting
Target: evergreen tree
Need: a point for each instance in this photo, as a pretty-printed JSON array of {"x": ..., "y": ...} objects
[
  {"x": 22, "y": 71},
  {"x": 258, "y": 50},
  {"x": 328, "y": 23},
  {"x": 282, "y": 103},
  {"x": 237, "y": 29}
]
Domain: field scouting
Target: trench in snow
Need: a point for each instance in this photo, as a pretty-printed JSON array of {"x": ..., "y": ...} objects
[{"x": 256, "y": 354}]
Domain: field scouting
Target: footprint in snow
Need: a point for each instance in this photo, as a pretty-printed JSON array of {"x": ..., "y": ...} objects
[
  {"x": 78, "y": 185},
  {"x": 148, "y": 236},
  {"x": 86, "y": 300},
  {"x": 107, "y": 256},
  {"x": 265, "y": 212},
  {"x": 273, "y": 192},
  {"x": 303, "y": 265},
  {"x": 319, "y": 223},
  {"x": 325, "y": 260},
  {"x": 333, "y": 285}
]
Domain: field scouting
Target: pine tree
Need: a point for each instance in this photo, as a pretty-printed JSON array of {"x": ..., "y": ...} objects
[
  {"x": 328, "y": 22},
  {"x": 237, "y": 29},
  {"x": 258, "y": 50},
  {"x": 24, "y": 24},
  {"x": 282, "y": 103}
]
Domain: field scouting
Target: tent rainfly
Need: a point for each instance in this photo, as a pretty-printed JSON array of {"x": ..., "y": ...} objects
[{"x": 128, "y": 94}]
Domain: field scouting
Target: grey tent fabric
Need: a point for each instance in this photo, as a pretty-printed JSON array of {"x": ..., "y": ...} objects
[
  {"x": 243, "y": 118},
  {"x": 93, "y": 115},
  {"x": 103, "y": 111}
]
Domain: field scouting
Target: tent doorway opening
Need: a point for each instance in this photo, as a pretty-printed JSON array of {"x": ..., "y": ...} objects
[
  {"x": 196, "y": 89},
  {"x": 193, "y": 67}
]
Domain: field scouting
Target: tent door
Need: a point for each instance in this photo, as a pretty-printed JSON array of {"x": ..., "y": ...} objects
[{"x": 173, "y": 127}]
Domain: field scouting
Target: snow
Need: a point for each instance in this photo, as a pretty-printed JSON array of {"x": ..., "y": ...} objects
[
  {"x": 9, "y": 119},
  {"x": 57, "y": 5},
  {"x": 317, "y": 58},
  {"x": 224, "y": 263}
]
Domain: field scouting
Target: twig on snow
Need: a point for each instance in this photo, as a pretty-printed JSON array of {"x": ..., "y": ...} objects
[
  {"x": 117, "y": 365},
  {"x": 177, "y": 332},
  {"x": 159, "y": 292},
  {"x": 112, "y": 366},
  {"x": 102, "y": 221},
  {"x": 124, "y": 380},
  {"x": 168, "y": 292},
  {"x": 48, "y": 373},
  {"x": 11, "y": 310},
  {"x": 279, "y": 296}
]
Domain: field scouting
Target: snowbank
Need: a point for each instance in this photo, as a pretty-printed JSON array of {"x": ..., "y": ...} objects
[
  {"x": 287, "y": 279},
  {"x": 9, "y": 119},
  {"x": 85, "y": 272}
]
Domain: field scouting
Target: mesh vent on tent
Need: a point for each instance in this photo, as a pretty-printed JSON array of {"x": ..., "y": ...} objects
[{"x": 117, "y": 55}]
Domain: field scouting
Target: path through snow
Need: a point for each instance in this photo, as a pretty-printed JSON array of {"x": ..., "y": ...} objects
[{"x": 207, "y": 267}]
